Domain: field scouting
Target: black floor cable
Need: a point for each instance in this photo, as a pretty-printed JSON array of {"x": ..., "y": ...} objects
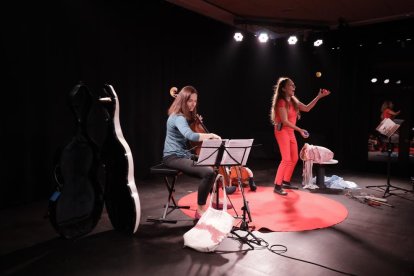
[
  {"x": 280, "y": 249},
  {"x": 284, "y": 250}
]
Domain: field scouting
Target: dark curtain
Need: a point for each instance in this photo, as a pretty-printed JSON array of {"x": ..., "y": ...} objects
[{"x": 143, "y": 48}]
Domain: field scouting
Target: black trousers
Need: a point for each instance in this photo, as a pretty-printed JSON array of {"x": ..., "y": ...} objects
[{"x": 205, "y": 173}]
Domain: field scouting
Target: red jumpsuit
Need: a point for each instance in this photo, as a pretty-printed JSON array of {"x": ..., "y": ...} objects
[
  {"x": 288, "y": 145},
  {"x": 386, "y": 113}
]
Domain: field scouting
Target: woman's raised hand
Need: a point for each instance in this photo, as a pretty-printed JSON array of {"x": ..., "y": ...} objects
[{"x": 323, "y": 92}]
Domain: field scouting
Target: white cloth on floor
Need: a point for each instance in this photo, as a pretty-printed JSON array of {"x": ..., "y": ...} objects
[{"x": 333, "y": 182}]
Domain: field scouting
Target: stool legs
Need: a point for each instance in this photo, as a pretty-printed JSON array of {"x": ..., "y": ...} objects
[
  {"x": 171, "y": 190},
  {"x": 320, "y": 176},
  {"x": 170, "y": 183}
]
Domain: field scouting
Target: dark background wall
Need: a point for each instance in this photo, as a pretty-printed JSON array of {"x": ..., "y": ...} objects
[{"x": 144, "y": 49}]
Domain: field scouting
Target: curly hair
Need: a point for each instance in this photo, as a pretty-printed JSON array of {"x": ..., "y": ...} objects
[{"x": 279, "y": 93}]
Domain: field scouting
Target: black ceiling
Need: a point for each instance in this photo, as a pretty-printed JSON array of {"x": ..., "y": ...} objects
[{"x": 283, "y": 18}]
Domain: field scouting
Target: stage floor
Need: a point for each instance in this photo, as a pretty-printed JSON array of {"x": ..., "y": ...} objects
[{"x": 370, "y": 241}]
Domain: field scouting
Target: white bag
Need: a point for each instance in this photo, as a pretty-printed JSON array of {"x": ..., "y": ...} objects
[{"x": 213, "y": 226}]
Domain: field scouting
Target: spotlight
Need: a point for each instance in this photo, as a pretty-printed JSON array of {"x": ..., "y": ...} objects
[
  {"x": 318, "y": 43},
  {"x": 292, "y": 40},
  {"x": 398, "y": 82},
  {"x": 318, "y": 74},
  {"x": 238, "y": 36},
  {"x": 263, "y": 37},
  {"x": 386, "y": 81},
  {"x": 374, "y": 80}
]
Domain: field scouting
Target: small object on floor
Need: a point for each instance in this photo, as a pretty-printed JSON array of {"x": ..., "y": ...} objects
[
  {"x": 252, "y": 185},
  {"x": 230, "y": 189},
  {"x": 369, "y": 199},
  {"x": 279, "y": 190}
]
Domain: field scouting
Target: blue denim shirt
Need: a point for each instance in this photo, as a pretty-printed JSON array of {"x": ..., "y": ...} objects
[{"x": 177, "y": 136}]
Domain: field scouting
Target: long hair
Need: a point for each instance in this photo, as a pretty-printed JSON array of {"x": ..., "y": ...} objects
[
  {"x": 279, "y": 93},
  {"x": 179, "y": 106},
  {"x": 386, "y": 104}
]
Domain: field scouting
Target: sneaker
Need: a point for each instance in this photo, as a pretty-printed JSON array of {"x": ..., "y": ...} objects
[
  {"x": 252, "y": 185},
  {"x": 279, "y": 190}
]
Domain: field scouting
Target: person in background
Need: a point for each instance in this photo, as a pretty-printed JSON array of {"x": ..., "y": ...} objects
[
  {"x": 387, "y": 110},
  {"x": 284, "y": 113},
  {"x": 176, "y": 155}
]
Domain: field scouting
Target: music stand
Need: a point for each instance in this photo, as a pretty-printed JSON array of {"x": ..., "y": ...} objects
[
  {"x": 388, "y": 127},
  {"x": 233, "y": 152}
]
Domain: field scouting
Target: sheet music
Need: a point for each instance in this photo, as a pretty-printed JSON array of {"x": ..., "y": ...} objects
[
  {"x": 387, "y": 127},
  {"x": 238, "y": 151},
  {"x": 209, "y": 151}
]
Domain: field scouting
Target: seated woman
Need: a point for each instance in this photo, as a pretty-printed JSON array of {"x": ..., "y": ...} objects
[{"x": 176, "y": 155}]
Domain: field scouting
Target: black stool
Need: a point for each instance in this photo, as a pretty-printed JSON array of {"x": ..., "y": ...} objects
[
  {"x": 320, "y": 175},
  {"x": 170, "y": 178}
]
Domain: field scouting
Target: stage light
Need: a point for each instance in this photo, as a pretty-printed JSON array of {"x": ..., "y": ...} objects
[
  {"x": 398, "y": 82},
  {"x": 238, "y": 36},
  {"x": 374, "y": 80},
  {"x": 318, "y": 42},
  {"x": 263, "y": 37},
  {"x": 292, "y": 40},
  {"x": 386, "y": 81},
  {"x": 318, "y": 74}
]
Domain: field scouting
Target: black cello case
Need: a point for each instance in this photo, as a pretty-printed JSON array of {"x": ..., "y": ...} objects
[{"x": 77, "y": 203}]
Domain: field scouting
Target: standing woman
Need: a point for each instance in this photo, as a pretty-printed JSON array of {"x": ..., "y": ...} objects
[
  {"x": 387, "y": 110},
  {"x": 176, "y": 155},
  {"x": 283, "y": 115}
]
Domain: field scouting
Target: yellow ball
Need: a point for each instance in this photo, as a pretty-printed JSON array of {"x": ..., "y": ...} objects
[{"x": 318, "y": 74}]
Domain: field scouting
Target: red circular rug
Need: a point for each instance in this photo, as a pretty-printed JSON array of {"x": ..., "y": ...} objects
[{"x": 298, "y": 211}]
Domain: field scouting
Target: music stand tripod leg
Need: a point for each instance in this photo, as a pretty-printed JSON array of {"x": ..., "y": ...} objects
[
  {"x": 244, "y": 226},
  {"x": 387, "y": 188}
]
